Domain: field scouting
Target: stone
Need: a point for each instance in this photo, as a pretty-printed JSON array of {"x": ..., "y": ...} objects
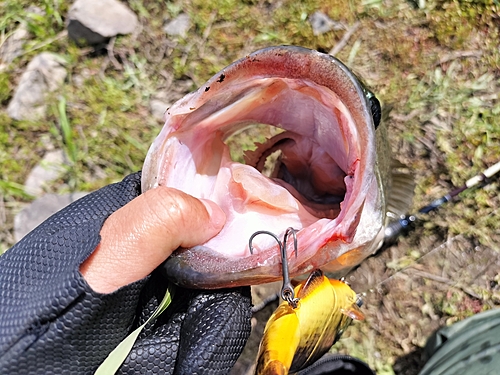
[
  {"x": 96, "y": 21},
  {"x": 43, "y": 75},
  {"x": 40, "y": 210},
  {"x": 12, "y": 47},
  {"x": 157, "y": 109},
  {"x": 53, "y": 165},
  {"x": 179, "y": 26},
  {"x": 321, "y": 23},
  {"x": 162, "y": 100}
]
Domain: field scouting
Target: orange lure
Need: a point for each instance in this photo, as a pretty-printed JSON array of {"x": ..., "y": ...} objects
[{"x": 294, "y": 338}]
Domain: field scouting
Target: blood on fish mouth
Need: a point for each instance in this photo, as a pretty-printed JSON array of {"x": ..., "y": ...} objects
[{"x": 323, "y": 180}]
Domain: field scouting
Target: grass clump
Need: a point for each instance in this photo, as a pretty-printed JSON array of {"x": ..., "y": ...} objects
[{"x": 435, "y": 63}]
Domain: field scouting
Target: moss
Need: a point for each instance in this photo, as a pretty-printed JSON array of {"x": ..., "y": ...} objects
[
  {"x": 20, "y": 148},
  {"x": 5, "y": 88},
  {"x": 443, "y": 122}
]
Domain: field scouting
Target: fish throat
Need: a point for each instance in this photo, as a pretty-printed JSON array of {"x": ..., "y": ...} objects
[
  {"x": 302, "y": 167},
  {"x": 309, "y": 162}
]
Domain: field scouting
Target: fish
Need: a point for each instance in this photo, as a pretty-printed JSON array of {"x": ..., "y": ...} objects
[
  {"x": 295, "y": 338},
  {"x": 331, "y": 182}
]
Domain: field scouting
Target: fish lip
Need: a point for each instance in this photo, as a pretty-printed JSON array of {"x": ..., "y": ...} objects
[
  {"x": 352, "y": 94},
  {"x": 177, "y": 269}
]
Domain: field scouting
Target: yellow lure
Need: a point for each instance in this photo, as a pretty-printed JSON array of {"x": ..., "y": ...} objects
[{"x": 294, "y": 338}]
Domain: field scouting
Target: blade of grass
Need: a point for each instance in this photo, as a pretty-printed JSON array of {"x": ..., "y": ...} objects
[
  {"x": 14, "y": 189},
  {"x": 136, "y": 143},
  {"x": 115, "y": 359},
  {"x": 66, "y": 130}
]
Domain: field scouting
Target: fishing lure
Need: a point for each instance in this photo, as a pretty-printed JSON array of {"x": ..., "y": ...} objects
[{"x": 308, "y": 322}]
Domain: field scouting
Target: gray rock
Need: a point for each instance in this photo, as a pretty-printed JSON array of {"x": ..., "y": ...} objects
[
  {"x": 44, "y": 74},
  {"x": 164, "y": 99},
  {"x": 95, "y": 21},
  {"x": 13, "y": 45},
  {"x": 157, "y": 108},
  {"x": 179, "y": 26},
  {"x": 39, "y": 210},
  {"x": 321, "y": 23},
  {"x": 51, "y": 167}
]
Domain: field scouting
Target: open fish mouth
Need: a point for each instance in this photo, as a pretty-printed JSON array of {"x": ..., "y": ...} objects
[
  {"x": 324, "y": 183},
  {"x": 304, "y": 169}
]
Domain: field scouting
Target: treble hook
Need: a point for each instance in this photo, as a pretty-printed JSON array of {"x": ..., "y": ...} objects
[{"x": 287, "y": 292}]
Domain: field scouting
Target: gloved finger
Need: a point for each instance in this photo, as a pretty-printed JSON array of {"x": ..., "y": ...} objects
[
  {"x": 50, "y": 320},
  {"x": 214, "y": 331},
  {"x": 202, "y": 332},
  {"x": 142, "y": 234}
]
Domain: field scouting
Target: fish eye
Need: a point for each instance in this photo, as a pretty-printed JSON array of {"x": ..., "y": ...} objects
[{"x": 375, "y": 109}]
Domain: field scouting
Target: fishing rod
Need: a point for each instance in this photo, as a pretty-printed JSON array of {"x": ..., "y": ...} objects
[{"x": 405, "y": 222}]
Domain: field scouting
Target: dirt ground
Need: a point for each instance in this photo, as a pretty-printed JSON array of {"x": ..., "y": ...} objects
[{"x": 435, "y": 66}]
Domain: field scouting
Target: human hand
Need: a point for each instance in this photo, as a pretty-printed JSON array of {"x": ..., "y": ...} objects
[
  {"x": 59, "y": 320},
  {"x": 138, "y": 237}
]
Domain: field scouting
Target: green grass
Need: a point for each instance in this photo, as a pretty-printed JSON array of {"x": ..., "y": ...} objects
[{"x": 435, "y": 62}]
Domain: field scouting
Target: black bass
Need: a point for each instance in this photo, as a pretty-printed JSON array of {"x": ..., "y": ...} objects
[
  {"x": 294, "y": 338},
  {"x": 330, "y": 182}
]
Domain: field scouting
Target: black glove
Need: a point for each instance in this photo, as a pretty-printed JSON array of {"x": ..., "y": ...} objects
[
  {"x": 337, "y": 364},
  {"x": 52, "y": 322}
]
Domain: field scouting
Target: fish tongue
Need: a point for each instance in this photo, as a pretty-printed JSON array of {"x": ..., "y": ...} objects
[
  {"x": 257, "y": 189},
  {"x": 305, "y": 170}
]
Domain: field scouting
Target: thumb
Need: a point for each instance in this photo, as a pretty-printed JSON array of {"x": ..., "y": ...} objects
[{"x": 138, "y": 237}]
